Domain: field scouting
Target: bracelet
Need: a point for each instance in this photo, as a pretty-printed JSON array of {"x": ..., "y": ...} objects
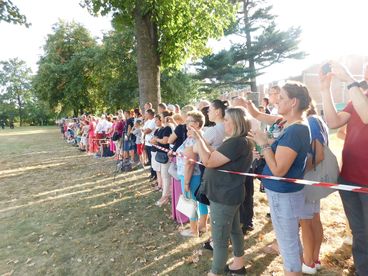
[{"x": 264, "y": 147}]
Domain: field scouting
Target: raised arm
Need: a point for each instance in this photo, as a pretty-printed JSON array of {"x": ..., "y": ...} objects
[
  {"x": 253, "y": 110},
  {"x": 358, "y": 98}
]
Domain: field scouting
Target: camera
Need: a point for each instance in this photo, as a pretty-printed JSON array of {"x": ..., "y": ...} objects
[{"x": 326, "y": 68}]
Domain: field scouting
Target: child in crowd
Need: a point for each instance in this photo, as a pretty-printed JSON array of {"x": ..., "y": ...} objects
[{"x": 137, "y": 131}]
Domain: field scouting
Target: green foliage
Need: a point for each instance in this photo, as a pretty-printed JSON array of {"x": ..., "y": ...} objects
[
  {"x": 262, "y": 45},
  {"x": 116, "y": 68},
  {"x": 65, "y": 70},
  {"x": 179, "y": 87},
  {"x": 183, "y": 27},
  {"x": 15, "y": 85},
  {"x": 10, "y": 13},
  {"x": 172, "y": 32}
]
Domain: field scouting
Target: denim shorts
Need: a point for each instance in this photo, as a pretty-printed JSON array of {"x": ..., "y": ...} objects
[
  {"x": 128, "y": 145},
  {"x": 286, "y": 210},
  {"x": 311, "y": 208}
]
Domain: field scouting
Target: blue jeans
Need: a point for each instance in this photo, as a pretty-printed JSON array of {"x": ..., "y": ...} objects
[
  {"x": 286, "y": 210},
  {"x": 356, "y": 210},
  {"x": 195, "y": 181}
]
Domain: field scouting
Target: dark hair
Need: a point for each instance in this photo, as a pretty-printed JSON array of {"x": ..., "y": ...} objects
[
  {"x": 137, "y": 112},
  {"x": 298, "y": 90},
  {"x": 166, "y": 113},
  {"x": 162, "y": 105},
  {"x": 207, "y": 121},
  {"x": 151, "y": 112},
  {"x": 266, "y": 100},
  {"x": 223, "y": 105},
  {"x": 158, "y": 116},
  {"x": 311, "y": 109}
]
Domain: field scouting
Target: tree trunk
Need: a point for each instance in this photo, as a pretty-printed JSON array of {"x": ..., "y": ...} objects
[
  {"x": 20, "y": 110},
  {"x": 252, "y": 67},
  {"x": 148, "y": 60}
]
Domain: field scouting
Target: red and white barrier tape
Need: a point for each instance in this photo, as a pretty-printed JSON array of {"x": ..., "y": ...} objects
[{"x": 291, "y": 180}]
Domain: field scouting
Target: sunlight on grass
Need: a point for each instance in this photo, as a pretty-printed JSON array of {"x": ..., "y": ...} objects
[
  {"x": 172, "y": 267},
  {"x": 24, "y": 132},
  {"x": 180, "y": 248},
  {"x": 114, "y": 201},
  {"x": 14, "y": 172},
  {"x": 74, "y": 219}
]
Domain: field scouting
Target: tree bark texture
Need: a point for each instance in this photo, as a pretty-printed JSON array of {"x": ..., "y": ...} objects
[
  {"x": 252, "y": 67},
  {"x": 148, "y": 60}
]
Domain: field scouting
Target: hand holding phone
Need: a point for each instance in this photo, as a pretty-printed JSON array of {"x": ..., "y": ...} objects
[{"x": 326, "y": 68}]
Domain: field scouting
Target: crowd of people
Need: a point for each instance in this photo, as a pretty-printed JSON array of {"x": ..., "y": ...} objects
[{"x": 285, "y": 132}]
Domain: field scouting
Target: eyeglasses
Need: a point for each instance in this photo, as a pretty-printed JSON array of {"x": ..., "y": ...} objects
[{"x": 190, "y": 121}]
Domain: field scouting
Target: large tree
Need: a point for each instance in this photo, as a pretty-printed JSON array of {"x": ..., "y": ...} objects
[
  {"x": 167, "y": 33},
  {"x": 10, "y": 13},
  {"x": 65, "y": 75},
  {"x": 15, "y": 86},
  {"x": 261, "y": 45},
  {"x": 116, "y": 70}
]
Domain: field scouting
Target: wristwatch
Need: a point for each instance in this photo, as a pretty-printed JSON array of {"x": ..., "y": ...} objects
[{"x": 353, "y": 84}]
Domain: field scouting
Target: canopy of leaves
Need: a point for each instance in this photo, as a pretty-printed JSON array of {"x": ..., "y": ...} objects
[
  {"x": 15, "y": 85},
  {"x": 179, "y": 87},
  {"x": 65, "y": 70},
  {"x": 116, "y": 70},
  {"x": 261, "y": 45},
  {"x": 11, "y": 14},
  {"x": 183, "y": 27}
]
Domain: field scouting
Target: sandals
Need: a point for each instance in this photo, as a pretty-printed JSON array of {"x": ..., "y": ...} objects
[{"x": 271, "y": 249}]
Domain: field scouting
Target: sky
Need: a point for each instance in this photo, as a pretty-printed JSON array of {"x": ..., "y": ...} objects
[{"x": 331, "y": 28}]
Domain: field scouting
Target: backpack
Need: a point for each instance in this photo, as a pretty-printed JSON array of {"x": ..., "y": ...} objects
[{"x": 326, "y": 171}]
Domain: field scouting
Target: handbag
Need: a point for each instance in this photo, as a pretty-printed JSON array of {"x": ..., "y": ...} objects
[
  {"x": 161, "y": 157},
  {"x": 187, "y": 206},
  {"x": 326, "y": 171},
  {"x": 200, "y": 195},
  {"x": 173, "y": 170},
  {"x": 115, "y": 136}
]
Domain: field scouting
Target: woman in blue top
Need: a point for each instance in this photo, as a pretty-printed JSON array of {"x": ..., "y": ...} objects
[{"x": 286, "y": 157}]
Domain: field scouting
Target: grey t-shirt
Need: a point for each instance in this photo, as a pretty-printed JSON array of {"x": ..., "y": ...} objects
[
  {"x": 215, "y": 135},
  {"x": 228, "y": 188}
]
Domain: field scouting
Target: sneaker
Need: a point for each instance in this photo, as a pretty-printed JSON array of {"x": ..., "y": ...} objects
[
  {"x": 240, "y": 271},
  {"x": 208, "y": 245},
  {"x": 187, "y": 233},
  {"x": 246, "y": 229},
  {"x": 318, "y": 265},
  {"x": 309, "y": 269}
]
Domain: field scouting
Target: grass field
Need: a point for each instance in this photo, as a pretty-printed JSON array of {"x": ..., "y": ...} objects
[{"x": 63, "y": 213}]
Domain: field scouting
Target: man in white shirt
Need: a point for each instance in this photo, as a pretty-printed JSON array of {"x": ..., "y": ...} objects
[
  {"x": 102, "y": 125},
  {"x": 148, "y": 130},
  {"x": 101, "y": 129}
]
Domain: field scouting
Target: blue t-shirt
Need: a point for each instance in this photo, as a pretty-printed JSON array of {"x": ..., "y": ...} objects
[{"x": 296, "y": 137}]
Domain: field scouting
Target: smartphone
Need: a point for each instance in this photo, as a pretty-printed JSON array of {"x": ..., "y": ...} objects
[{"x": 326, "y": 68}]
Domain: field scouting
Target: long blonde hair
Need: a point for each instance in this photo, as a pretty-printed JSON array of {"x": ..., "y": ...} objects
[{"x": 242, "y": 124}]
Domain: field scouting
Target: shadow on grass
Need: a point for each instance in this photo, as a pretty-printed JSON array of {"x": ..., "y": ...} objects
[{"x": 128, "y": 185}]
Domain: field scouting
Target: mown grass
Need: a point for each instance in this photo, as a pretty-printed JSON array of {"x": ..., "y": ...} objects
[{"x": 62, "y": 213}]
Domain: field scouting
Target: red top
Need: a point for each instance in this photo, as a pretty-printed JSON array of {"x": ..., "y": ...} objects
[{"x": 355, "y": 151}]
